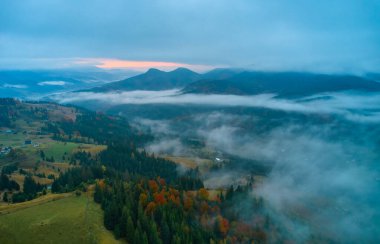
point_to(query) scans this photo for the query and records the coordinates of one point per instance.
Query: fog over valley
(315, 158)
(193, 121)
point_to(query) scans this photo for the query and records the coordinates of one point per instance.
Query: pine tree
(130, 230)
(165, 233)
(5, 197)
(145, 239)
(137, 239)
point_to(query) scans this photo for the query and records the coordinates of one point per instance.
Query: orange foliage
(150, 208)
(153, 185)
(174, 192)
(162, 181)
(101, 184)
(143, 199)
(159, 198)
(174, 199)
(204, 207)
(203, 194)
(188, 203)
(224, 225)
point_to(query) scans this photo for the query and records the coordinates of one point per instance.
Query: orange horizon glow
(107, 63)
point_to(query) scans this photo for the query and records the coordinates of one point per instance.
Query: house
(28, 142)
(5, 150)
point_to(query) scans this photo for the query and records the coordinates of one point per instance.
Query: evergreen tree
(5, 197)
(130, 230)
(145, 239)
(165, 233)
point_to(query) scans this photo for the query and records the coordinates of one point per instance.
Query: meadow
(69, 219)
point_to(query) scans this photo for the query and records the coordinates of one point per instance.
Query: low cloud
(16, 86)
(167, 146)
(53, 83)
(317, 185)
(362, 107)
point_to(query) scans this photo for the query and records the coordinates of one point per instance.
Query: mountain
(240, 82)
(154, 80)
(281, 83)
(33, 83)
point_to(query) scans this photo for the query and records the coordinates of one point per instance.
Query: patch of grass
(91, 148)
(189, 162)
(12, 139)
(58, 149)
(62, 166)
(68, 220)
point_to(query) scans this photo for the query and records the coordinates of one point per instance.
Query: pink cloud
(107, 63)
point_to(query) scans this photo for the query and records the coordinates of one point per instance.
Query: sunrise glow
(106, 63)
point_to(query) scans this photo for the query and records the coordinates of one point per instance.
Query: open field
(55, 218)
(10, 208)
(189, 162)
(59, 149)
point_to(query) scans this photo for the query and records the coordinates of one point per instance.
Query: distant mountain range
(154, 80)
(281, 83)
(30, 83)
(41, 83)
(239, 82)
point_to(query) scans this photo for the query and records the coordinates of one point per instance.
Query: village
(5, 148)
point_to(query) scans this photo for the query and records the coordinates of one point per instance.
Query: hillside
(240, 82)
(70, 219)
(153, 79)
(281, 83)
(144, 198)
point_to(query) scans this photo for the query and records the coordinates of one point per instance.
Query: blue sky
(326, 35)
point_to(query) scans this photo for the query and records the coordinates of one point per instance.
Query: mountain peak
(182, 70)
(154, 71)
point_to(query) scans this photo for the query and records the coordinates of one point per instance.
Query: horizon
(325, 36)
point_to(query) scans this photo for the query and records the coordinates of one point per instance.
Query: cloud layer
(353, 106)
(324, 182)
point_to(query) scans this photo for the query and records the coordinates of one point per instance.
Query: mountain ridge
(241, 82)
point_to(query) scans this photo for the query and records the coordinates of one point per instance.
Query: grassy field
(58, 149)
(189, 162)
(70, 219)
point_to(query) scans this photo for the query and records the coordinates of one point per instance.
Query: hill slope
(68, 220)
(281, 83)
(153, 79)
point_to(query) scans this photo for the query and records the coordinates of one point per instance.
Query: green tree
(145, 239)
(165, 233)
(130, 230)
(5, 197)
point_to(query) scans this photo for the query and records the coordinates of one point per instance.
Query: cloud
(353, 106)
(53, 83)
(324, 177)
(167, 146)
(105, 63)
(320, 185)
(339, 36)
(17, 86)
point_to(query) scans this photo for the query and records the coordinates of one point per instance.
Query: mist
(356, 106)
(323, 153)
(320, 184)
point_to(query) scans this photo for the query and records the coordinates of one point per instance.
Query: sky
(326, 35)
